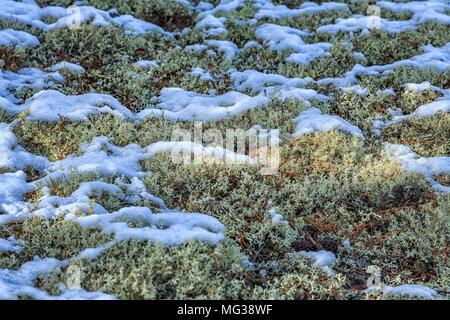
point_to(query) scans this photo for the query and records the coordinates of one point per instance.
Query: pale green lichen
(329, 185)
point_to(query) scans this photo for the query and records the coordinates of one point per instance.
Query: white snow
(93, 253)
(202, 73)
(103, 157)
(30, 13)
(11, 82)
(10, 37)
(441, 104)
(360, 22)
(12, 187)
(257, 81)
(428, 167)
(278, 85)
(279, 38)
(67, 65)
(136, 26)
(169, 227)
(178, 104)
(20, 282)
(313, 120)
(418, 87)
(189, 147)
(226, 47)
(13, 156)
(136, 191)
(147, 63)
(48, 105)
(227, 6)
(363, 92)
(359, 56)
(204, 6)
(10, 244)
(321, 258)
(276, 217)
(196, 47)
(211, 25)
(423, 11)
(414, 290)
(388, 91)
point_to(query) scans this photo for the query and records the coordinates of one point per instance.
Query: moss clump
(65, 186)
(404, 74)
(443, 179)
(58, 238)
(5, 116)
(12, 59)
(358, 110)
(107, 55)
(427, 136)
(238, 33)
(142, 270)
(57, 140)
(410, 100)
(265, 60)
(408, 244)
(327, 177)
(380, 48)
(244, 12)
(16, 25)
(61, 3)
(362, 110)
(170, 15)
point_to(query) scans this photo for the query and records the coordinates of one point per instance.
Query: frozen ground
(91, 95)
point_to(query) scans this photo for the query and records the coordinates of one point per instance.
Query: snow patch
(17, 39)
(49, 105)
(67, 65)
(279, 38)
(428, 167)
(414, 290)
(313, 120)
(178, 104)
(16, 283)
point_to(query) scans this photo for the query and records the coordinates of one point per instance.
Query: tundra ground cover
(91, 95)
